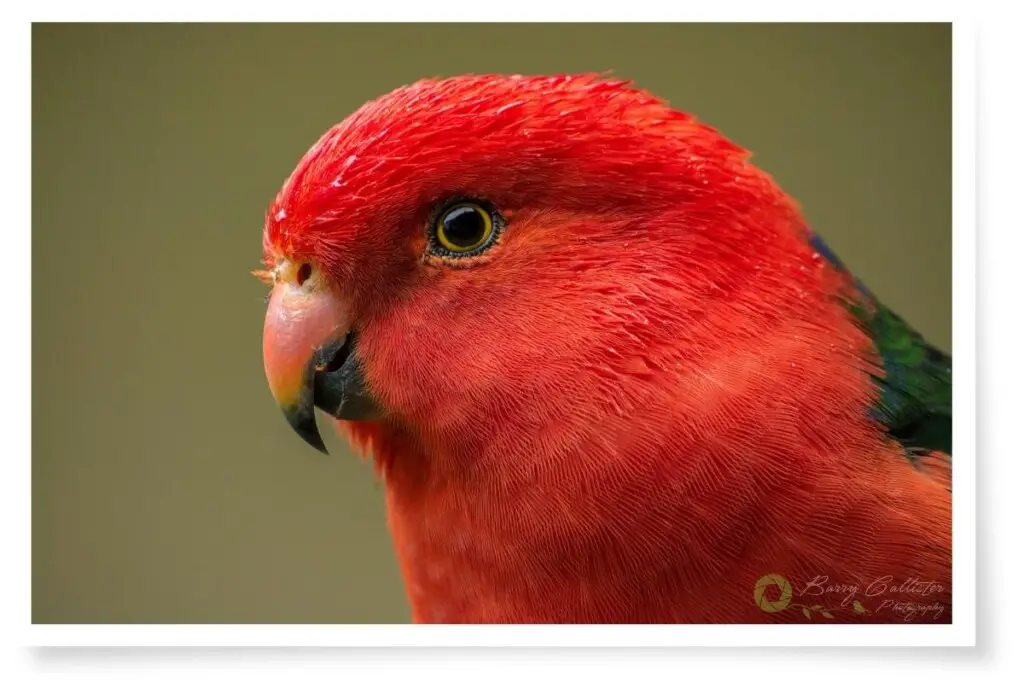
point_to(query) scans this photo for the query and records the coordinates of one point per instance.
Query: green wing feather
(917, 388)
(917, 384)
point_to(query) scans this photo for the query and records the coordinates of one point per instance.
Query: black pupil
(464, 226)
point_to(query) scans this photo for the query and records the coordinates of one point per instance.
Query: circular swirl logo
(763, 597)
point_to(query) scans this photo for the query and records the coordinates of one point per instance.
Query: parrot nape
(603, 367)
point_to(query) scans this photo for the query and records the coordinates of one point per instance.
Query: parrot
(602, 367)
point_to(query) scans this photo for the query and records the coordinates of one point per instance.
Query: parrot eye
(464, 228)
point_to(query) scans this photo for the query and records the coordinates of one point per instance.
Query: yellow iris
(464, 227)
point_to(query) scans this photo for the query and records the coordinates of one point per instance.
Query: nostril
(339, 357)
(305, 270)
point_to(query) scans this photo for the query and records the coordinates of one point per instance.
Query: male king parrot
(604, 369)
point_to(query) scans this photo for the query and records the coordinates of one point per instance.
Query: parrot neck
(657, 458)
(646, 515)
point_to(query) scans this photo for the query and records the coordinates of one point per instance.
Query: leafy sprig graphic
(826, 612)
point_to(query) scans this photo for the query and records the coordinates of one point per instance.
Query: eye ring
(464, 228)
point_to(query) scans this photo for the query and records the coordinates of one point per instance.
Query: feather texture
(648, 395)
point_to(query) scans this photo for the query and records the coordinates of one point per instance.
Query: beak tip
(303, 421)
(317, 443)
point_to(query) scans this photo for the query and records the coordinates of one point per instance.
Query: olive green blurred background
(166, 485)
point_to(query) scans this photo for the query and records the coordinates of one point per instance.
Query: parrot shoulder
(915, 378)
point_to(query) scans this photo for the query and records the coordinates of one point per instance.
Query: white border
(419, 635)
(962, 632)
(521, 11)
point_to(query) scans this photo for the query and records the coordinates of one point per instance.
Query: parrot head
(484, 261)
(606, 372)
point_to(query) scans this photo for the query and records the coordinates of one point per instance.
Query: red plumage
(645, 397)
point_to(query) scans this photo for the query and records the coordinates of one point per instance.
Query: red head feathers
(637, 394)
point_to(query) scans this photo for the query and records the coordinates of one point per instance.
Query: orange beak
(310, 361)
